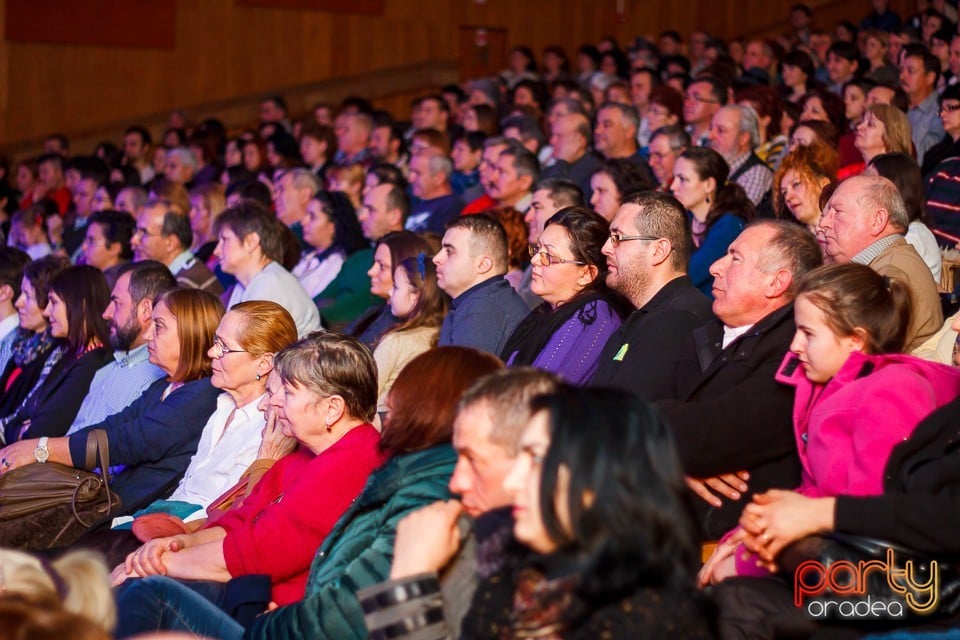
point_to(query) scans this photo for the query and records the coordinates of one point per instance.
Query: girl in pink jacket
(856, 395)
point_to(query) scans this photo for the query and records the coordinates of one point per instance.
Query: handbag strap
(98, 452)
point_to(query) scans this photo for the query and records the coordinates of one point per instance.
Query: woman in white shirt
(250, 248)
(248, 337)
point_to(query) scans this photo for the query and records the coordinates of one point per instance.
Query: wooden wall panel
(226, 55)
(119, 23)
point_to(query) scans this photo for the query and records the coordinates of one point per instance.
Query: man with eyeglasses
(647, 255)
(163, 234)
(666, 144)
(704, 98)
(949, 145)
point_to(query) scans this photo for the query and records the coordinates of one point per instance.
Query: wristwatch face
(41, 454)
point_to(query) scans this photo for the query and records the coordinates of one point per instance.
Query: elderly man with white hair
(864, 222)
(734, 134)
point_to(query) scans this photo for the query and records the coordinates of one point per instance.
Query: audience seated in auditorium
(727, 411)
(419, 306)
(75, 302)
(864, 222)
(154, 437)
(385, 208)
(856, 396)
(490, 417)
(129, 314)
(718, 209)
(358, 551)
(164, 234)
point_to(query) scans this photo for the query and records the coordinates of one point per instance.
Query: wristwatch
(41, 453)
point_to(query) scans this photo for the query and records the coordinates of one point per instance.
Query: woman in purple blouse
(566, 333)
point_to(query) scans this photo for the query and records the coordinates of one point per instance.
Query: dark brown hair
(855, 297)
(84, 293)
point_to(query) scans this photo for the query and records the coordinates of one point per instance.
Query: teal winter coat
(359, 550)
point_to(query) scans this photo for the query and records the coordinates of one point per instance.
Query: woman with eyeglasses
(566, 334)
(949, 146)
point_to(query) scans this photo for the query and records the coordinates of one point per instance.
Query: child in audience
(420, 305)
(857, 395)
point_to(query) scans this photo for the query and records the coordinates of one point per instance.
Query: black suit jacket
(728, 413)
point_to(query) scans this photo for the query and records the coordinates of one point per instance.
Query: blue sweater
(722, 232)
(154, 440)
(483, 317)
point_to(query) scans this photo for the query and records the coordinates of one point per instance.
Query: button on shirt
(223, 453)
(115, 386)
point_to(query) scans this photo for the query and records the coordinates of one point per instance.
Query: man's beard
(122, 337)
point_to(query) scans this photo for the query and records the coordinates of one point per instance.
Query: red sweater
(479, 205)
(282, 523)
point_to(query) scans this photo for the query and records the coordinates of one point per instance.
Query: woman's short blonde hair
(78, 581)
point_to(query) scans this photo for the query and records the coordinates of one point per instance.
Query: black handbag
(826, 550)
(48, 505)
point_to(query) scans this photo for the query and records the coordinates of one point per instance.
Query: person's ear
(711, 185)
(6, 293)
(396, 218)
(662, 249)
(857, 340)
(588, 273)
(780, 283)
(879, 221)
(526, 182)
(484, 264)
(145, 311)
(335, 410)
(265, 366)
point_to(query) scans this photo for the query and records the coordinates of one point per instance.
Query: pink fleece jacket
(845, 429)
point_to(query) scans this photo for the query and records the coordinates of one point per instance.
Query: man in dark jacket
(647, 255)
(727, 411)
(470, 268)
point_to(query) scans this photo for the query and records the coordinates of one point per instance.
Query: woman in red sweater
(324, 390)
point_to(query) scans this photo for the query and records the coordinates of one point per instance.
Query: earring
(708, 199)
(258, 377)
(329, 428)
